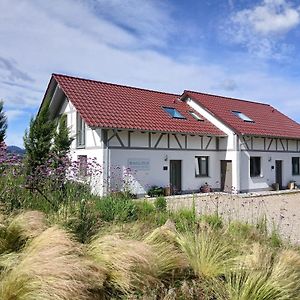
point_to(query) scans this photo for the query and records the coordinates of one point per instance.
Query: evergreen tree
(38, 140)
(62, 139)
(3, 123)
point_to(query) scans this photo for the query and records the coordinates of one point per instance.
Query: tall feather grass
(51, 266)
(208, 254)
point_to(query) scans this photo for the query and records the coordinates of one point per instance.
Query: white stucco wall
(142, 180)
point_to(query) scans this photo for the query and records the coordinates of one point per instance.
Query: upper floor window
(195, 116)
(242, 116)
(296, 165)
(255, 166)
(201, 166)
(80, 131)
(173, 112)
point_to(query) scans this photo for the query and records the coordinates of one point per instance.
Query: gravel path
(282, 209)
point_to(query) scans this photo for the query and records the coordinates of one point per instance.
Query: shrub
(155, 191)
(144, 209)
(214, 221)
(116, 209)
(160, 204)
(184, 218)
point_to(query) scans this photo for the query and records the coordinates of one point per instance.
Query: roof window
(195, 116)
(174, 113)
(242, 116)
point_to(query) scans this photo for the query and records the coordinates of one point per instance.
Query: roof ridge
(226, 97)
(115, 84)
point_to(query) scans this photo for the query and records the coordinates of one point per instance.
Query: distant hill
(15, 150)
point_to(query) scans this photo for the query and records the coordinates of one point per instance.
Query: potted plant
(205, 188)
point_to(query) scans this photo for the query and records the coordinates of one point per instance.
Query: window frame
(198, 167)
(195, 116)
(242, 116)
(167, 108)
(80, 132)
(255, 174)
(298, 165)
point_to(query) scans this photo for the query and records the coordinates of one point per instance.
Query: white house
(143, 138)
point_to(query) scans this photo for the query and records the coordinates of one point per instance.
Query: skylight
(195, 116)
(173, 112)
(242, 116)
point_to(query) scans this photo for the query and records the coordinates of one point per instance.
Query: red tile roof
(109, 105)
(267, 120)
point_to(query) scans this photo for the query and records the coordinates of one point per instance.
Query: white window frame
(198, 169)
(80, 131)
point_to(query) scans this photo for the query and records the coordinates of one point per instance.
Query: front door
(226, 176)
(175, 176)
(278, 172)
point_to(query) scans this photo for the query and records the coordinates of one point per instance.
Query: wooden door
(226, 176)
(278, 172)
(175, 176)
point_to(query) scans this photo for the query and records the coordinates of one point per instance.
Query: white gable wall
(230, 143)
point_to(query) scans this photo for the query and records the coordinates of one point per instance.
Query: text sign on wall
(139, 164)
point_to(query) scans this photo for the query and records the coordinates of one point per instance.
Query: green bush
(155, 191)
(160, 204)
(116, 209)
(214, 221)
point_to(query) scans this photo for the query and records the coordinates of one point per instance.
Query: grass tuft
(51, 266)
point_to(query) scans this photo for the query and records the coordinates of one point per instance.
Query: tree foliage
(62, 140)
(3, 123)
(38, 140)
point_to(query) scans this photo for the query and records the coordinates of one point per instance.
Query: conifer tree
(62, 139)
(3, 123)
(38, 140)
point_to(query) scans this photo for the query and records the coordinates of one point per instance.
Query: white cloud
(262, 28)
(14, 114)
(113, 41)
(271, 17)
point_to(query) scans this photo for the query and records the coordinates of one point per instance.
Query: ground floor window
(255, 166)
(201, 163)
(296, 165)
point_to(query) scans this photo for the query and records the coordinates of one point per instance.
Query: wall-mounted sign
(139, 164)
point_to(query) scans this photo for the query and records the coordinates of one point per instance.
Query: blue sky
(237, 48)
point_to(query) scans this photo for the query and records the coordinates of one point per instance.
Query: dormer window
(173, 112)
(242, 116)
(195, 116)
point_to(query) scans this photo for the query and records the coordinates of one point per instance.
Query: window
(242, 116)
(255, 166)
(173, 112)
(296, 165)
(195, 116)
(82, 159)
(80, 132)
(201, 163)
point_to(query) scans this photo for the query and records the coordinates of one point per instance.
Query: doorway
(226, 176)
(175, 177)
(278, 173)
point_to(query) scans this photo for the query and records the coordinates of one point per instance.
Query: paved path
(282, 209)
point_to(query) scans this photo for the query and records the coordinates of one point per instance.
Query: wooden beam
(208, 143)
(280, 140)
(176, 138)
(149, 140)
(246, 144)
(158, 140)
(270, 144)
